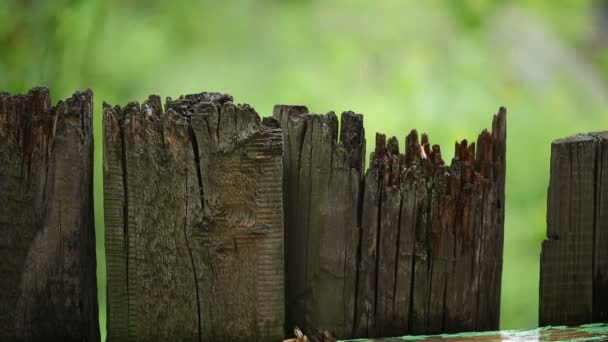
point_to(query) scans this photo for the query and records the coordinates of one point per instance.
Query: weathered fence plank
(48, 289)
(574, 261)
(322, 180)
(429, 237)
(194, 221)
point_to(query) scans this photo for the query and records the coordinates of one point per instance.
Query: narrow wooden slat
(600, 261)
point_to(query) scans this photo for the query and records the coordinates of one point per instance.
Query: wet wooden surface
(588, 332)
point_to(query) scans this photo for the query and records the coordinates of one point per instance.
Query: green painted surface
(587, 332)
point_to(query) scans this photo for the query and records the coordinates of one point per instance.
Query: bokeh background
(443, 67)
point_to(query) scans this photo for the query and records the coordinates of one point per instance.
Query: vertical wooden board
(485, 234)
(340, 235)
(300, 293)
(441, 249)
(490, 263)
(159, 181)
(351, 250)
(324, 132)
(474, 284)
(114, 222)
(293, 129)
(460, 304)
(366, 289)
(20, 190)
(332, 277)
(49, 289)
(322, 211)
(583, 205)
(558, 212)
(405, 259)
(297, 218)
(499, 159)
(421, 284)
(387, 257)
(238, 242)
(563, 211)
(600, 263)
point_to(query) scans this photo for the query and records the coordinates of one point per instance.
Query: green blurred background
(443, 67)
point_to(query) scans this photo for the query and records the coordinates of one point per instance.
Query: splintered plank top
(48, 288)
(322, 184)
(194, 218)
(410, 245)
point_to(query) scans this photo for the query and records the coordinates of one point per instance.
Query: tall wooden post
(574, 258)
(48, 289)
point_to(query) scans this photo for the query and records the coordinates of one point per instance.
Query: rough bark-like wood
(48, 289)
(574, 261)
(194, 221)
(430, 236)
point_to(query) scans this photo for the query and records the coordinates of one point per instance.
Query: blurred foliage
(440, 66)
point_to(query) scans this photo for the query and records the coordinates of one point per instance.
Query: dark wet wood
(415, 244)
(48, 289)
(194, 221)
(574, 261)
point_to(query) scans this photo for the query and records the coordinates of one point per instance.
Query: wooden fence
(222, 226)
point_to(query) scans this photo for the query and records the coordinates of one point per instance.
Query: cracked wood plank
(49, 287)
(321, 171)
(193, 221)
(430, 236)
(574, 265)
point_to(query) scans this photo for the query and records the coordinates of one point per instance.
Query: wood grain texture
(194, 221)
(322, 180)
(48, 289)
(428, 238)
(573, 282)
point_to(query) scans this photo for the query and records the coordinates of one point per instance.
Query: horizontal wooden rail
(586, 332)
